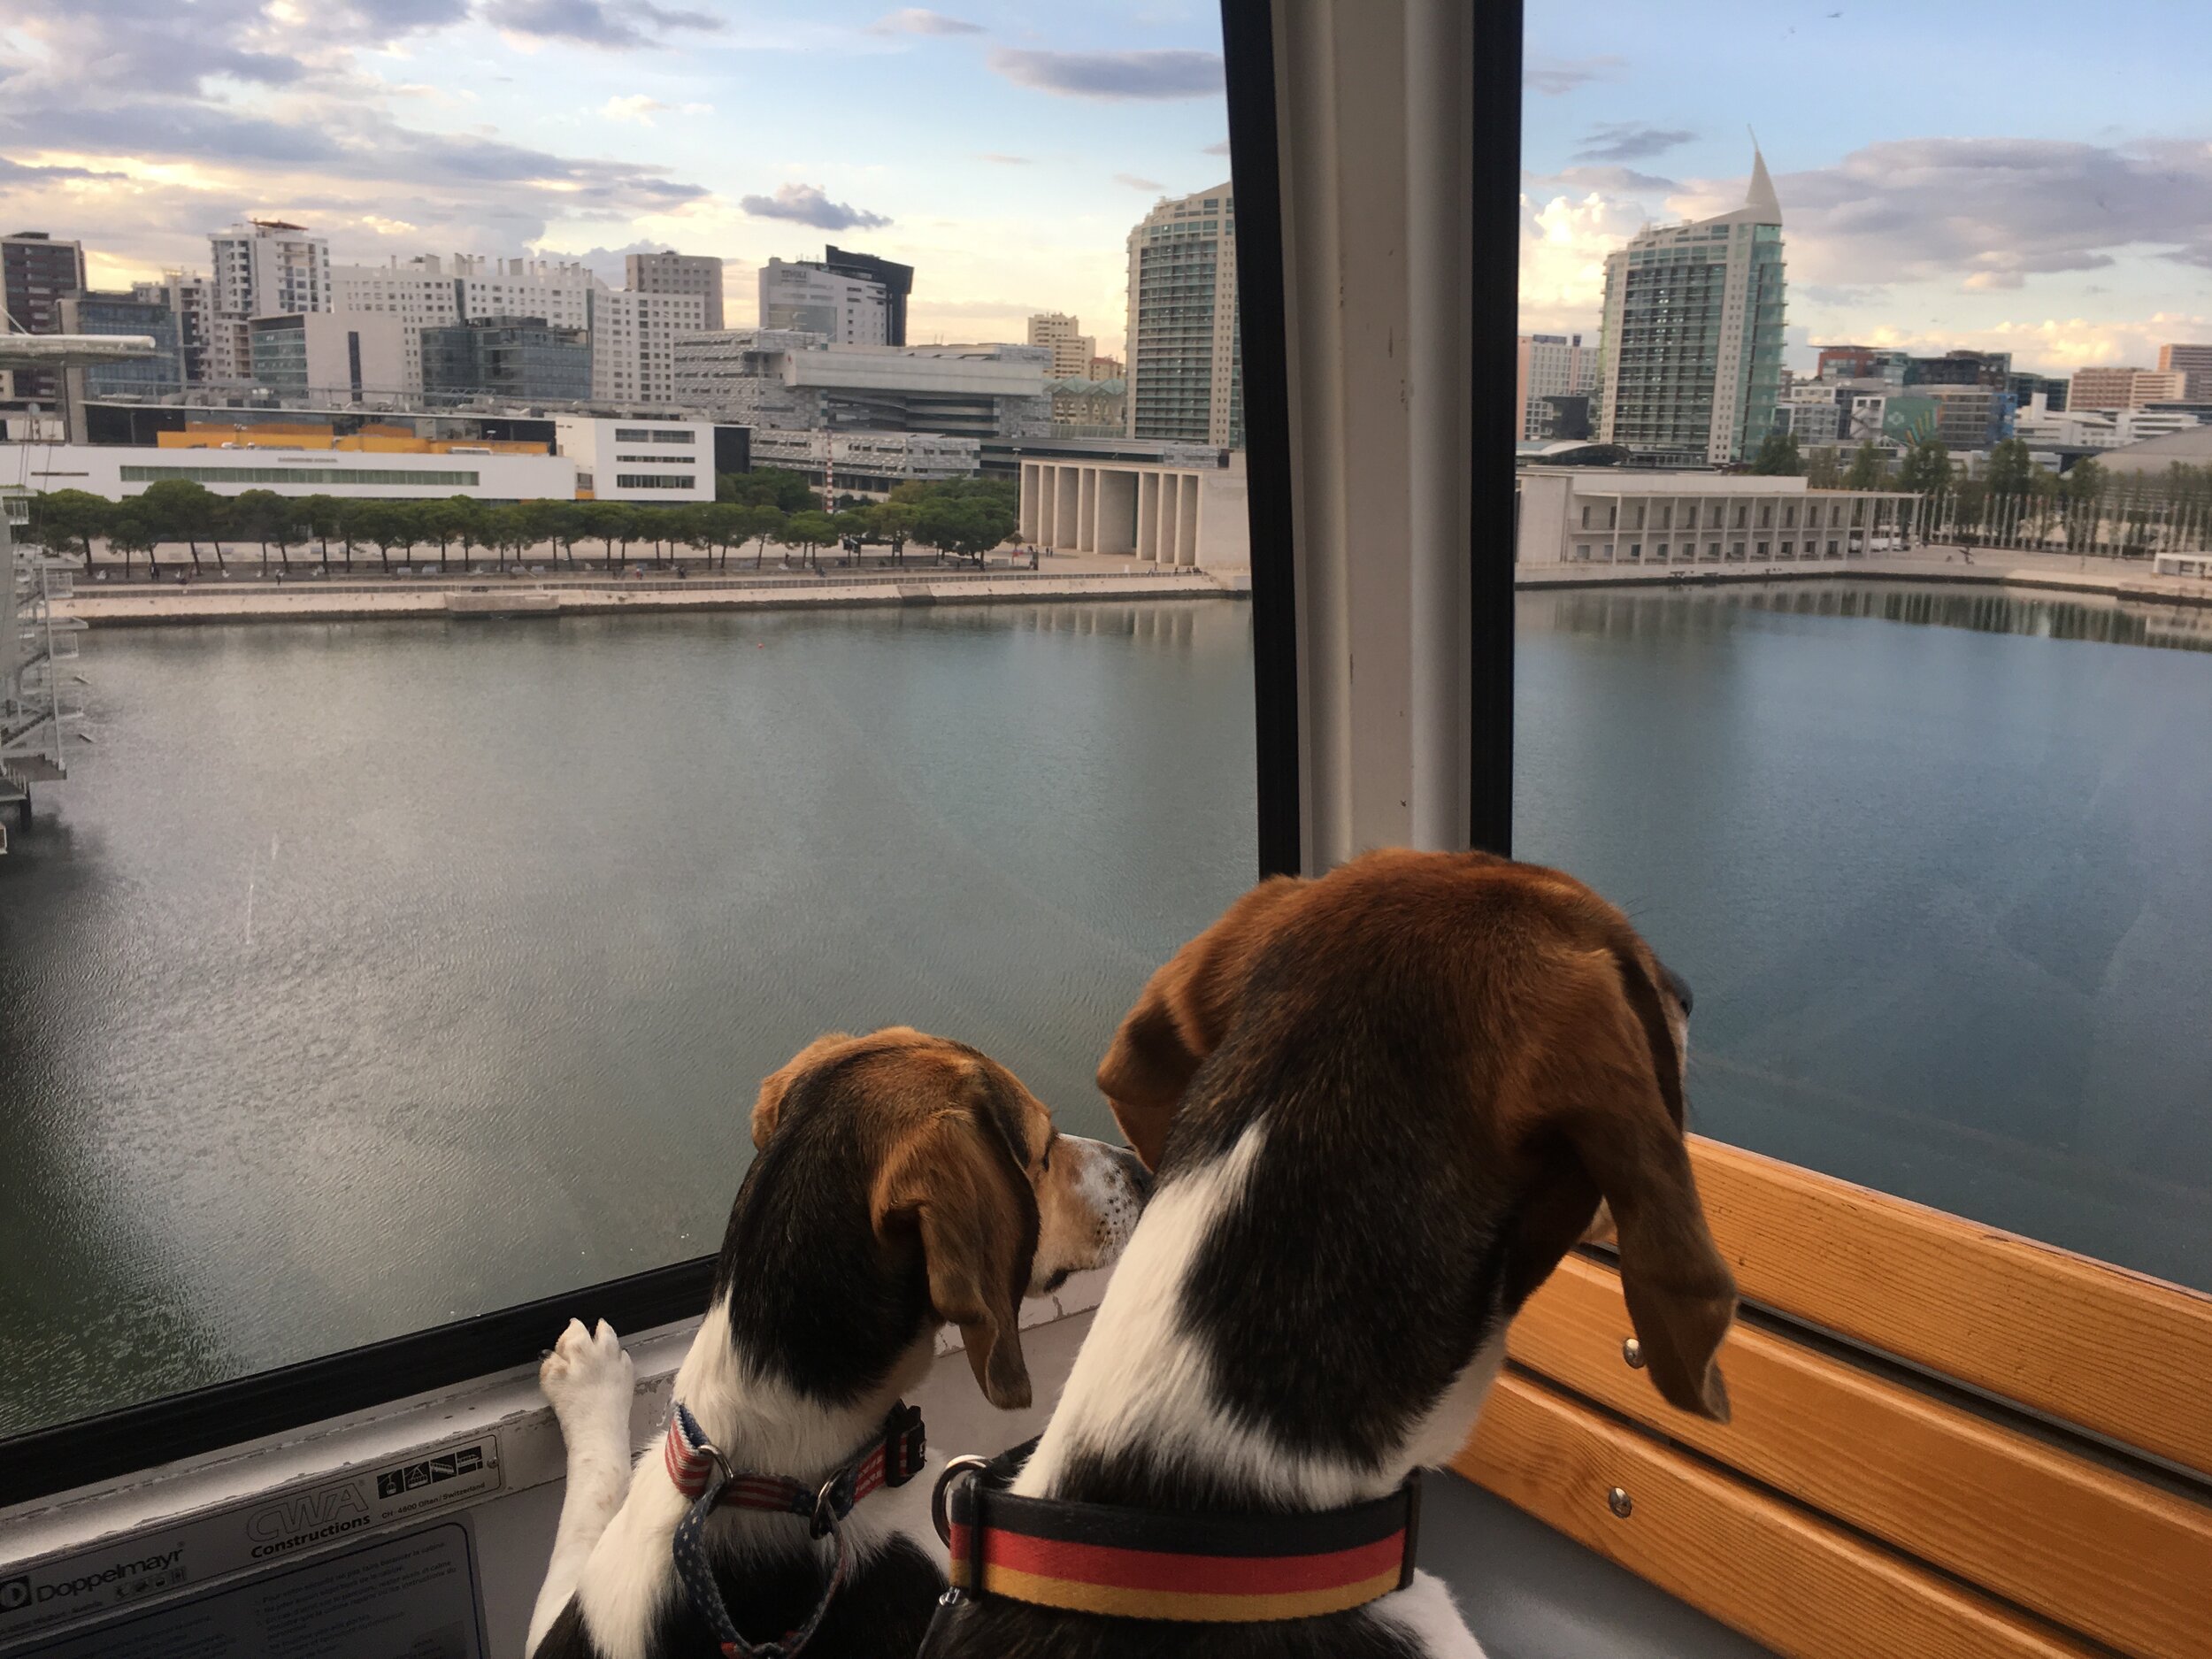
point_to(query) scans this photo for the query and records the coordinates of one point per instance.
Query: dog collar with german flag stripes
(1199, 1569)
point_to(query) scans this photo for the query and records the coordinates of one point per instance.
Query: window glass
(1919, 806)
(367, 973)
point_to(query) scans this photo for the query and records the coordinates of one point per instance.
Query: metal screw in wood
(1632, 1351)
(1619, 1501)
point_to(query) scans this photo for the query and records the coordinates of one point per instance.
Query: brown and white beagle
(1382, 1105)
(901, 1182)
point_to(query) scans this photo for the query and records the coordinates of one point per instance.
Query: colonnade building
(1186, 508)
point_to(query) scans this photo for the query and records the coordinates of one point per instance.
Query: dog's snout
(1132, 1167)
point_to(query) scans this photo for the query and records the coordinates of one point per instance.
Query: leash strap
(1196, 1569)
(700, 1474)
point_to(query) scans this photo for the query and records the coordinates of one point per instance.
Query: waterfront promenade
(369, 593)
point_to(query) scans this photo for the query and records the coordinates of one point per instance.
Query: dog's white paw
(588, 1376)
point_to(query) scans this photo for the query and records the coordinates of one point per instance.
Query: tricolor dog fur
(901, 1182)
(1382, 1105)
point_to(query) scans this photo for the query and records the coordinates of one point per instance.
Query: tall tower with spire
(1690, 349)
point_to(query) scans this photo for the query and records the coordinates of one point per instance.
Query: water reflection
(1690, 612)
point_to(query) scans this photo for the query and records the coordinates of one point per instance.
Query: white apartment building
(674, 272)
(1072, 349)
(667, 462)
(263, 267)
(1550, 365)
(634, 344)
(427, 291)
(2124, 388)
(1185, 380)
(1690, 341)
(327, 357)
(1608, 515)
(846, 310)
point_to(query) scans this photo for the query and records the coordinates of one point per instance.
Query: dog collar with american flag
(701, 1476)
(1201, 1568)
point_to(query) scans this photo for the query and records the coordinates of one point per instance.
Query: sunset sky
(1962, 173)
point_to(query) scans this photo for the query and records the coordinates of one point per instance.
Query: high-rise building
(674, 272)
(799, 296)
(1690, 353)
(1072, 349)
(516, 359)
(263, 267)
(1106, 369)
(897, 282)
(430, 292)
(189, 298)
(1862, 363)
(2194, 363)
(634, 344)
(1989, 369)
(1186, 379)
(1547, 366)
(35, 271)
(2124, 388)
(319, 357)
(2027, 387)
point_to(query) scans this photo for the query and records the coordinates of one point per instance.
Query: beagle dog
(903, 1182)
(1382, 1105)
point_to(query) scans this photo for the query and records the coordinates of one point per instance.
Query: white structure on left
(118, 471)
(36, 711)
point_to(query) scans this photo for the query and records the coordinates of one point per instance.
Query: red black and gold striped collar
(1199, 1569)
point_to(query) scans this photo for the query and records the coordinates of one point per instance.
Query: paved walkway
(2129, 579)
(120, 606)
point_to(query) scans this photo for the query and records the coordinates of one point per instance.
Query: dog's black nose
(1679, 986)
(1140, 1177)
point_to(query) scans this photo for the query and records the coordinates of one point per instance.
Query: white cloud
(640, 108)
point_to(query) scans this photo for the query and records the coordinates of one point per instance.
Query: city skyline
(1005, 151)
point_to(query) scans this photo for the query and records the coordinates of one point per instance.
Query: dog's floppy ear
(1182, 1014)
(954, 1180)
(769, 1107)
(1624, 1123)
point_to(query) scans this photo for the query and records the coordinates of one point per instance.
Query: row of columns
(1084, 507)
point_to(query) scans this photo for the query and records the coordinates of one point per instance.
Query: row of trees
(2012, 502)
(962, 517)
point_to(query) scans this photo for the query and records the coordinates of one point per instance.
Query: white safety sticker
(298, 1520)
(413, 1596)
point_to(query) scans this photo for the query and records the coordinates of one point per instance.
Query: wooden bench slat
(2120, 1354)
(2087, 1547)
(1758, 1564)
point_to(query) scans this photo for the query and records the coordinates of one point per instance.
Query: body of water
(369, 976)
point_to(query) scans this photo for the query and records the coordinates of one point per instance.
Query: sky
(2022, 176)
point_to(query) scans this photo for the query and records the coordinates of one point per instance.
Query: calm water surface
(374, 975)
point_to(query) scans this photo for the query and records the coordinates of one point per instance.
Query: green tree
(1926, 470)
(706, 527)
(2010, 469)
(286, 530)
(812, 530)
(506, 531)
(256, 515)
(553, 523)
(1823, 469)
(178, 510)
(966, 523)
(445, 522)
(609, 523)
(1778, 457)
(1870, 468)
(384, 524)
(132, 529)
(2084, 486)
(759, 523)
(767, 486)
(64, 519)
(322, 516)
